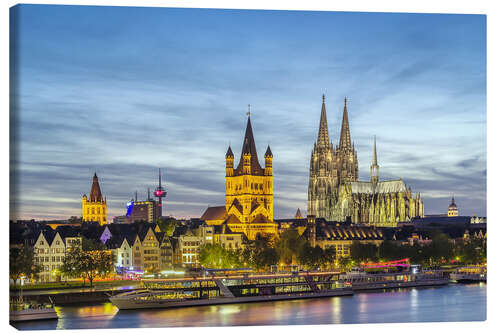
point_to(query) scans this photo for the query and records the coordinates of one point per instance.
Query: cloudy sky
(127, 90)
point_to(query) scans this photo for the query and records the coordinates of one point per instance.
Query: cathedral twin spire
(345, 134)
(323, 136)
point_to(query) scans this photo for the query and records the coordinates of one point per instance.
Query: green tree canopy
(167, 224)
(215, 256)
(363, 251)
(440, 248)
(289, 245)
(87, 264)
(472, 251)
(21, 262)
(313, 257)
(89, 244)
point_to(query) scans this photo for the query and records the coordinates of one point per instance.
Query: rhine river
(448, 303)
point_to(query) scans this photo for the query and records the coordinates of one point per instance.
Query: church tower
(249, 190)
(452, 208)
(94, 208)
(345, 155)
(323, 176)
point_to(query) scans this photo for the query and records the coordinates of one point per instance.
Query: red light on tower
(160, 191)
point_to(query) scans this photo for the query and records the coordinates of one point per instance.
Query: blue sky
(125, 90)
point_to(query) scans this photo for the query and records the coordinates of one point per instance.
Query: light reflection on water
(448, 303)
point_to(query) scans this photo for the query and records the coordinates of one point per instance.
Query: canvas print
(174, 167)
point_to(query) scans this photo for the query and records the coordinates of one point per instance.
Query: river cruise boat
(241, 288)
(394, 274)
(469, 274)
(20, 311)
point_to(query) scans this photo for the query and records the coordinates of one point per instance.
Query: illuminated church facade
(336, 193)
(94, 207)
(249, 192)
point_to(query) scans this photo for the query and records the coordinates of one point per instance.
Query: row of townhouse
(50, 248)
(136, 247)
(149, 250)
(152, 251)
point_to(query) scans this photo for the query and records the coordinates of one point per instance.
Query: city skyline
(143, 89)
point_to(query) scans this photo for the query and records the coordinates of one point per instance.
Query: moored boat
(469, 274)
(26, 312)
(245, 288)
(394, 274)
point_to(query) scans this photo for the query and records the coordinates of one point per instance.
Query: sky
(125, 90)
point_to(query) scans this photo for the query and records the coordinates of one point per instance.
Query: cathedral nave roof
(388, 186)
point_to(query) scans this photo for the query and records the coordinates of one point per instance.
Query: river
(455, 302)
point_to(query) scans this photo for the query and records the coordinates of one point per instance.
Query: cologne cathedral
(336, 193)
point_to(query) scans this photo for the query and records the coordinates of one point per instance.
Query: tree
(211, 255)
(89, 244)
(329, 254)
(389, 250)
(21, 262)
(313, 257)
(440, 248)
(87, 264)
(75, 219)
(346, 263)
(167, 224)
(472, 251)
(289, 245)
(259, 253)
(265, 258)
(363, 252)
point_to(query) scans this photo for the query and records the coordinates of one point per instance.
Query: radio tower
(160, 192)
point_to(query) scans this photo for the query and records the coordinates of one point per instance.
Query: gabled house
(51, 248)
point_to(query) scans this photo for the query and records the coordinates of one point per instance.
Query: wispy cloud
(128, 90)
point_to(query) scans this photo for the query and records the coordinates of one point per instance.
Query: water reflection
(449, 303)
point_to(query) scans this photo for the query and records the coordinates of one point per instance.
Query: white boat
(167, 293)
(469, 274)
(23, 312)
(404, 276)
